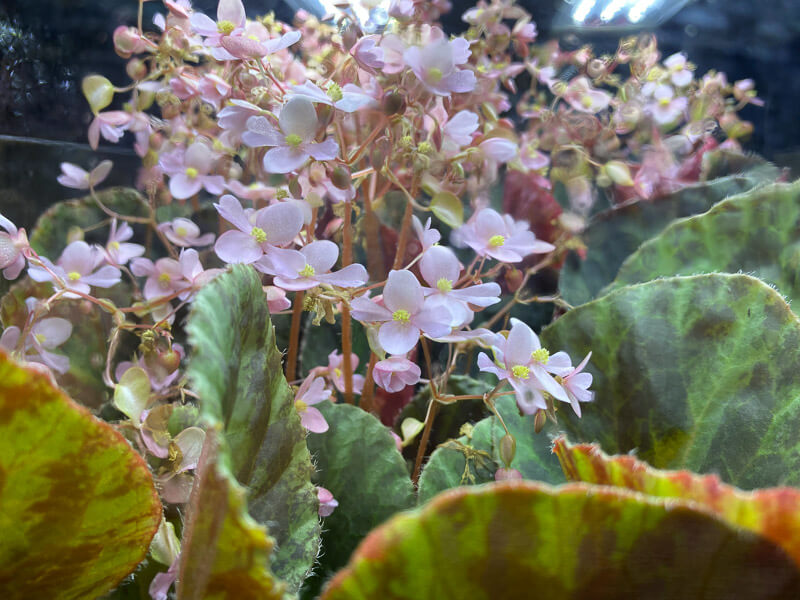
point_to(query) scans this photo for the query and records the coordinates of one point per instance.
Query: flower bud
(393, 103)
(136, 69)
(539, 421)
(508, 449)
(513, 277)
(340, 177)
(618, 172)
(127, 41)
(507, 474)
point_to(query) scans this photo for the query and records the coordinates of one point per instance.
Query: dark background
(47, 46)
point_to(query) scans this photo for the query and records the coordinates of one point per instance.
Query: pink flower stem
(347, 342)
(433, 409)
(294, 336)
(403, 239)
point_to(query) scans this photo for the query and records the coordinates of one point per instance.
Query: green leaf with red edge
(236, 370)
(695, 373)
(79, 507)
(771, 513)
(522, 540)
(225, 553)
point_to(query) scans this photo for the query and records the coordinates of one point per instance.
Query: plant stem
(369, 384)
(347, 342)
(433, 409)
(294, 336)
(403, 239)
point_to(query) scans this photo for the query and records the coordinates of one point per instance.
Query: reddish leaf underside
(78, 505)
(521, 540)
(225, 553)
(773, 513)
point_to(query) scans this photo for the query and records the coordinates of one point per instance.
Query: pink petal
(397, 337)
(402, 292)
(284, 159)
(238, 247)
(299, 117)
(181, 186)
(351, 276)
(260, 132)
(230, 209)
(231, 10)
(104, 277)
(281, 222)
(365, 310)
(327, 149)
(313, 420)
(321, 255)
(437, 263)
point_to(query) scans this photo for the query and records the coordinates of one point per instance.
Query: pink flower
(500, 237)
(327, 503)
(395, 373)
(440, 269)
(72, 176)
(348, 98)
(193, 272)
(368, 54)
(111, 125)
(459, 129)
(311, 391)
(426, 236)
(584, 98)
(118, 250)
(12, 246)
(521, 360)
(276, 299)
(231, 20)
(403, 316)
(78, 269)
(233, 120)
(45, 335)
(507, 474)
(189, 171)
(666, 109)
(679, 72)
(311, 267)
(164, 277)
(259, 232)
(294, 142)
(576, 384)
(184, 233)
(435, 65)
(744, 91)
(335, 361)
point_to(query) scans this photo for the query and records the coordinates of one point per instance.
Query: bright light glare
(361, 11)
(638, 10)
(610, 11)
(582, 10)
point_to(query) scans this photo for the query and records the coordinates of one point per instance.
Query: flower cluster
(318, 149)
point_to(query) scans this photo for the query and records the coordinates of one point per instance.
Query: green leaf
(236, 370)
(49, 235)
(771, 513)
(79, 507)
(613, 235)
(357, 460)
(98, 91)
(523, 540)
(225, 553)
(448, 208)
(691, 372)
(447, 466)
(755, 233)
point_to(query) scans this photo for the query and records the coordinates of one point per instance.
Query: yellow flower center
(664, 101)
(40, 337)
(337, 372)
(300, 406)
(497, 240)
(541, 355)
(294, 140)
(444, 285)
(114, 245)
(435, 75)
(586, 101)
(401, 315)
(308, 271)
(164, 278)
(191, 172)
(520, 371)
(181, 231)
(225, 27)
(259, 235)
(73, 275)
(425, 147)
(335, 92)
